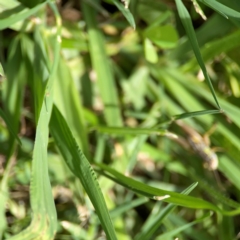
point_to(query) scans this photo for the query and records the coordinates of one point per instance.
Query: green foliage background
(90, 92)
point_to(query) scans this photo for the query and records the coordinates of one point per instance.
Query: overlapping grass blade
(230, 109)
(172, 233)
(10, 126)
(18, 13)
(103, 70)
(159, 194)
(187, 23)
(125, 11)
(44, 221)
(155, 220)
(81, 168)
(215, 48)
(127, 206)
(195, 114)
(66, 98)
(222, 9)
(11, 96)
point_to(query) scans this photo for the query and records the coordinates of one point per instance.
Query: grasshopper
(199, 144)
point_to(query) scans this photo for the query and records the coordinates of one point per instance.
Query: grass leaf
(187, 23)
(81, 168)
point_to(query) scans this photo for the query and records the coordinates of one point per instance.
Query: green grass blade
(215, 48)
(230, 170)
(195, 114)
(154, 221)
(44, 222)
(103, 70)
(155, 193)
(10, 126)
(126, 13)
(81, 168)
(172, 233)
(18, 13)
(67, 99)
(127, 206)
(187, 23)
(131, 131)
(222, 9)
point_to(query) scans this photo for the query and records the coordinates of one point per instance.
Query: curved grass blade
(159, 194)
(81, 168)
(126, 13)
(186, 21)
(19, 13)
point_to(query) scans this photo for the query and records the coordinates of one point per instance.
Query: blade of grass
(126, 13)
(127, 206)
(19, 13)
(222, 9)
(215, 48)
(195, 114)
(154, 221)
(44, 221)
(81, 168)
(187, 23)
(67, 99)
(10, 126)
(131, 131)
(173, 233)
(159, 194)
(102, 67)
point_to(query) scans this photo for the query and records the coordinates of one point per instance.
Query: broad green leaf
(150, 51)
(163, 36)
(186, 21)
(81, 168)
